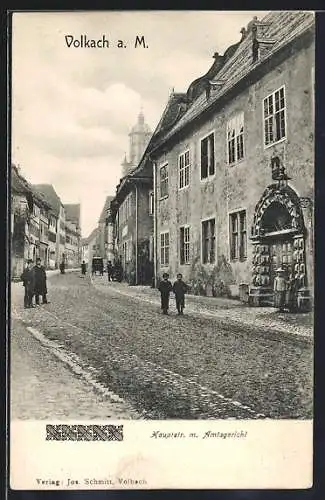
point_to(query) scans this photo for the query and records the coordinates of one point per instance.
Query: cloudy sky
(73, 107)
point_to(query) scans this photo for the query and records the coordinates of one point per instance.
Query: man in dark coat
(109, 270)
(28, 279)
(179, 289)
(165, 287)
(40, 282)
(83, 267)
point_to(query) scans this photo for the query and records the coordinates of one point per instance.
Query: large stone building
(234, 185)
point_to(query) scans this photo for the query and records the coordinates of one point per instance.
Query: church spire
(139, 137)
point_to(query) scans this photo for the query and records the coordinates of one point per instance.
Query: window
(235, 138)
(184, 169)
(238, 235)
(125, 210)
(164, 181)
(274, 117)
(151, 203)
(207, 156)
(185, 245)
(208, 241)
(164, 249)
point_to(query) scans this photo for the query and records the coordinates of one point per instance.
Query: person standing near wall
(279, 290)
(28, 279)
(292, 291)
(40, 282)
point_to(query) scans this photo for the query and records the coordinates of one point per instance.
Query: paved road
(175, 367)
(42, 387)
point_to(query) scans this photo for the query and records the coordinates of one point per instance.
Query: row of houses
(42, 226)
(224, 190)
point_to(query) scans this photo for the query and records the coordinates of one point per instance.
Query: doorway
(281, 255)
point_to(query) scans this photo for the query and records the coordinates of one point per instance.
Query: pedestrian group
(34, 281)
(179, 288)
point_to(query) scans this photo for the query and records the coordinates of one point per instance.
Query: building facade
(103, 230)
(29, 223)
(87, 246)
(48, 192)
(130, 222)
(72, 249)
(38, 226)
(134, 227)
(234, 176)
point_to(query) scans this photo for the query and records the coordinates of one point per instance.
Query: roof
(284, 26)
(72, 213)
(20, 185)
(106, 207)
(51, 196)
(92, 236)
(173, 110)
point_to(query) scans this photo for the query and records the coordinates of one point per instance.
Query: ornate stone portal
(278, 235)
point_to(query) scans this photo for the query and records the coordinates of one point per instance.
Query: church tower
(126, 167)
(139, 138)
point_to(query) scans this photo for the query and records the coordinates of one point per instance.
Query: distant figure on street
(165, 287)
(118, 271)
(83, 267)
(109, 270)
(279, 290)
(40, 282)
(179, 289)
(28, 279)
(62, 267)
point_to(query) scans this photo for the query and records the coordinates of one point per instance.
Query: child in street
(179, 289)
(165, 287)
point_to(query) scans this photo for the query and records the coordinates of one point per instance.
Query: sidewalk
(263, 318)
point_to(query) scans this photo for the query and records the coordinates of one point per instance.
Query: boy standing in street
(165, 287)
(28, 279)
(179, 289)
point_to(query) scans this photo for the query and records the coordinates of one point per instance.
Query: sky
(73, 107)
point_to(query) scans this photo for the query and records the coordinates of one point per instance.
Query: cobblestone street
(207, 364)
(42, 387)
